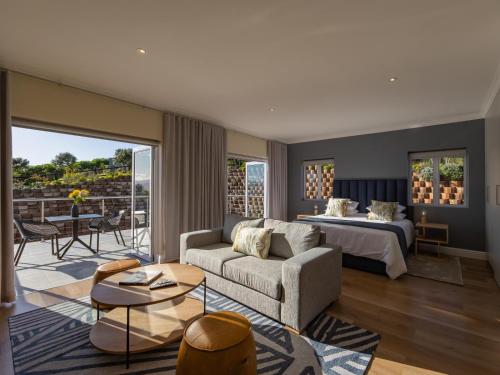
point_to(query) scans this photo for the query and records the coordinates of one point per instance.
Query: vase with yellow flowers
(78, 197)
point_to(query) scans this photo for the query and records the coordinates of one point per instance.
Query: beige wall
(246, 145)
(41, 100)
(46, 101)
(492, 157)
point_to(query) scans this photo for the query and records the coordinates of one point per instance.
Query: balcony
(38, 269)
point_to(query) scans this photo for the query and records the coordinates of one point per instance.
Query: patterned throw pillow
(337, 207)
(253, 241)
(254, 223)
(382, 210)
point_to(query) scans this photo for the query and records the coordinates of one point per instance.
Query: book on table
(143, 277)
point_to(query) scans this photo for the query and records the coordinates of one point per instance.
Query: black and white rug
(55, 340)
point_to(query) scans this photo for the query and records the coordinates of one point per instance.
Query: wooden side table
(435, 233)
(303, 216)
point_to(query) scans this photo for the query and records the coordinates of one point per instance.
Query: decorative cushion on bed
(290, 239)
(232, 222)
(253, 241)
(352, 207)
(398, 216)
(400, 209)
(337, 207)
(382, 210)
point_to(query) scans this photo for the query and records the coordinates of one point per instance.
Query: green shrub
(451, 171)
(426, 173)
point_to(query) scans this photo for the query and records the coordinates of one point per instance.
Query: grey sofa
(298, 280)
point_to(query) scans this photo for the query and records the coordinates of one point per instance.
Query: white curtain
(277, 182)
(7, 290)
(191, 181)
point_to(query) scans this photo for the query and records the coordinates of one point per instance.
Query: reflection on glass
(451, 181)
(255, 182)
(246, 188)
(422, 179)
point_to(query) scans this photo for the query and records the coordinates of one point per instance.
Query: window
(246, 187)
(318, 179)
(439, 178)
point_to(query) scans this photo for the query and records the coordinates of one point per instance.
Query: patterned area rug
(445, 268)
(55, 340)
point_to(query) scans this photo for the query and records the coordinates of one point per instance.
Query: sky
(40, 147)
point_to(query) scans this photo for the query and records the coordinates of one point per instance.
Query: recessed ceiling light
(272, 109)
(141, 51)
(393, 79)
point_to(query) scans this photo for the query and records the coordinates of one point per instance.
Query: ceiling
(324, 66)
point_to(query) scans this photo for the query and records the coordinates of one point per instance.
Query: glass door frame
(149, 205)
(249, 159)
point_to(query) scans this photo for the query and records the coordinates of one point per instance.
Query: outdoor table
(75, 221)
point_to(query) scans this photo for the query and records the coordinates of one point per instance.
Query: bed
(370, 245)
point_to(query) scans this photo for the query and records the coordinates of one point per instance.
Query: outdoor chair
(31, 231)
(107, 224)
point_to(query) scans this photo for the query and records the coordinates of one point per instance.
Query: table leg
(128, 338)
(204, 296)
(97, 307)
(65, 248)
(78, 239)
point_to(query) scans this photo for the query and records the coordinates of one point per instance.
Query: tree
(123, 156)
(64, 159)
(19, 163)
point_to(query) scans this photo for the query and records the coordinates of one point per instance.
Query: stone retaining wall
(31, 210)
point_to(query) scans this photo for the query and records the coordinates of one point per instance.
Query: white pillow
(352, 212)
(352, 206)
(399, 209)
(399, 216)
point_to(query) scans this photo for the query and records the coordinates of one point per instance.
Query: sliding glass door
(142, 173)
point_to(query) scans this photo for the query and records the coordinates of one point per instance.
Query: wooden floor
(426, 326)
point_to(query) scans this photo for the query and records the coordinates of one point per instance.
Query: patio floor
(38, 269)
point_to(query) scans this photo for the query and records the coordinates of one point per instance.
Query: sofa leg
(293, 330)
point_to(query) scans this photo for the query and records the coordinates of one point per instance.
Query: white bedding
(370, 243)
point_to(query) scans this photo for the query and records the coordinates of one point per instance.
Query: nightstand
(434, 233)
(303, 216)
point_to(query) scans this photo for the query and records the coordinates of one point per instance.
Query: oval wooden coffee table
(143, 319)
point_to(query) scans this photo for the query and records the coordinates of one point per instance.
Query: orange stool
(108, 269)
(218, 343)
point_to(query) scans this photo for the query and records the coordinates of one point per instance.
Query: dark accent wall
(385, 155)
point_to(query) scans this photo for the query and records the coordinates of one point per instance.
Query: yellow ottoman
(218, 343)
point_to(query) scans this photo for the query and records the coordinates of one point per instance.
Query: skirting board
(464, 253)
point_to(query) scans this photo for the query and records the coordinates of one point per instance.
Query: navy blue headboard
(364, 190)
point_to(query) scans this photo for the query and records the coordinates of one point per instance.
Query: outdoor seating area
(39, 269)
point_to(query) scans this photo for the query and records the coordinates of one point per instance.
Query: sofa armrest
(311, 281)
(198, 238)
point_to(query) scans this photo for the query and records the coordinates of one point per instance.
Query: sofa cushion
(262, 275)
(253, 241)
(290, 239)
(230, 226)
(211, 257)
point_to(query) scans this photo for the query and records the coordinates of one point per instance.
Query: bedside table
(303, 216)
(434, 233)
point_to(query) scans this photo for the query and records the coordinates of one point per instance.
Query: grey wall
(385, 155)
(492, 150)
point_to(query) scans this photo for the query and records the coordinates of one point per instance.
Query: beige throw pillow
(382, 210)
(253, 241)
(254, 223)
(337, 207)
